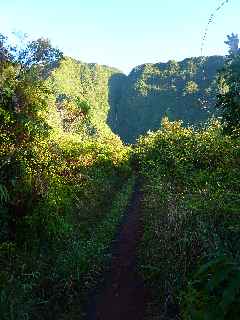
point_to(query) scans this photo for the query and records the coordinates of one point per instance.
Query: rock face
(183, 90)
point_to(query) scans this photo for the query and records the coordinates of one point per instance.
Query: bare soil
(123, 296)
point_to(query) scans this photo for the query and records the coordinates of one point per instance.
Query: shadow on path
(123, 295)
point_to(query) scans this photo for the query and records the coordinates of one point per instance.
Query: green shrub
(191, 205)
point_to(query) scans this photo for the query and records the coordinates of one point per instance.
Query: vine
(211, 19)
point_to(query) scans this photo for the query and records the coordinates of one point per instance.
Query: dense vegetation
(183, 90)
(57, 169)
(83, 87)
(189, 254)
(190, 249)
(59, 162)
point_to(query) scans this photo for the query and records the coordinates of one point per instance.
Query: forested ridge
(184, 90)
(67, 179)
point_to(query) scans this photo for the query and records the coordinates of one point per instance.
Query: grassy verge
(54, 283)
(92, 255)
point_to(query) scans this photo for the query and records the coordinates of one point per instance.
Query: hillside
(80, 89)
(132, 105)
(183, 90)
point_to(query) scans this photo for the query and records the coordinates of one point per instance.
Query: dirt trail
(123, 295)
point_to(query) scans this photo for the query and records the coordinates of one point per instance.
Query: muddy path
(123, 295)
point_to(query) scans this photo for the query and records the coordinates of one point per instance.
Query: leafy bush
(191, 208)
(214, 292)
(56, 216)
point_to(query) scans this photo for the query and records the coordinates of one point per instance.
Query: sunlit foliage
(56, 175)
(191, 216)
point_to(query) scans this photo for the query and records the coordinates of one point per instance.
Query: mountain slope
(183, 90)
(82, 89)
(132, 105)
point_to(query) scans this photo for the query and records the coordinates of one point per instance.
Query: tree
(229, 81)
(191, 87)
(40, 54)
(232, 42)
(24, 93)
(4, 53)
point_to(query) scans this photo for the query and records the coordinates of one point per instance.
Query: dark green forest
(183, 90)
(76, 139)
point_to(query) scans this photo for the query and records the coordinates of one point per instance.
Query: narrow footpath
(123, 296)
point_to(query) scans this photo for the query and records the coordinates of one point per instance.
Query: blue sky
(124, 33)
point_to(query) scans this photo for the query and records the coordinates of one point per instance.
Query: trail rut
(123, 295)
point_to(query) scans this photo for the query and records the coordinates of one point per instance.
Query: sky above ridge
(126, 33)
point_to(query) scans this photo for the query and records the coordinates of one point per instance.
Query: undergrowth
(189, 254)
(63, 188)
